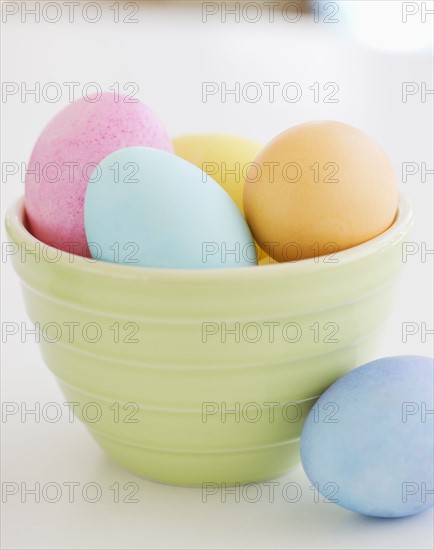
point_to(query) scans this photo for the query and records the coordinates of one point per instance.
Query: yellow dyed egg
(319, 188)
(226, 159)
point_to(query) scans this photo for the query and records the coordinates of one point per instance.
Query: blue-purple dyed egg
(368, 443)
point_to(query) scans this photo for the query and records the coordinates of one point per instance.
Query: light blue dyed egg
(367, 444)
(147, 207)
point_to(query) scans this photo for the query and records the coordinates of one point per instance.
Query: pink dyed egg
(65, 157)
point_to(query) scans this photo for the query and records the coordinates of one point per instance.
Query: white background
(169, 54)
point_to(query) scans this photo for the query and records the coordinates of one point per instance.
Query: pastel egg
(321, 187)
(223, 157)
(159, 210)
(66, 154)
(226, 159)
(367, 444)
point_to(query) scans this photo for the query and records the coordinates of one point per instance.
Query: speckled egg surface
(66, 154)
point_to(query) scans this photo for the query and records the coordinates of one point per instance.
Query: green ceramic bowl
(189, 377)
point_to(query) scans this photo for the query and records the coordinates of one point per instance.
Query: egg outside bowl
(191, 377)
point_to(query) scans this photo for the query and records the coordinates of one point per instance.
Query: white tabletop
(169, 54)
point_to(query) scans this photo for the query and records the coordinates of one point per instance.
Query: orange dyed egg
(319, 188)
